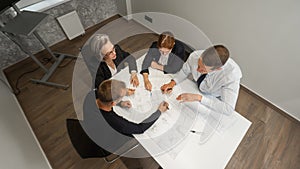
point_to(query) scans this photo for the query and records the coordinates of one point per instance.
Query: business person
(217, 76)
(110, 93)
(114, 59)
(166, 55)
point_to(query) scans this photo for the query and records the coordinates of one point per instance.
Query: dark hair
(166, 40)
(110, 90)
(215, 56)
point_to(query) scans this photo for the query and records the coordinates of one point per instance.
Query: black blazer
(96, 120)
(98, 129)
(175, 61)
(122, 60)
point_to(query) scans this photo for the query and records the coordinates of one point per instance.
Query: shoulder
(114, 119)
(232, 70)
(117, 46)
(121, 53)
(195, 55)
(102, 65)
(178, 47)
(178, 44)
(89, 104)
(154, 45)
(102, 69)
(234, 66)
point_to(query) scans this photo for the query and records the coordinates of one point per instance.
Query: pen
(196, 132)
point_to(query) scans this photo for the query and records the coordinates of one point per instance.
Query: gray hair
(97, 42)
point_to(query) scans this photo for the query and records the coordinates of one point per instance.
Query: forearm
(174, 67)
(132, 63)
(133, 73)
(133, 128)
(217, 105)
(146, 63)
(180, 76)
(152, 118)
(145, 76)
(160, 67)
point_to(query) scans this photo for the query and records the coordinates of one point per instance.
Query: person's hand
(163, 106)
(167, 88)
(147, 84)
(125, 104)
(157, 66)
(134, 80)
(189, 97)
(130, 92)
(154, 65)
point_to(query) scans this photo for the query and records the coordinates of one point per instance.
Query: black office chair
(188, 49)
(86, 147)
(90, 60)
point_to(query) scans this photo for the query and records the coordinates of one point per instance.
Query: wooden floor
(273, 140)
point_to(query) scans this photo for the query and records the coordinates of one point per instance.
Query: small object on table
(196, 132)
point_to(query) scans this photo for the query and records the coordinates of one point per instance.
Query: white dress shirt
(220, 88)
(113, 71)
(163, 60)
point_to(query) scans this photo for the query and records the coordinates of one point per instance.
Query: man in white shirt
(217, 76)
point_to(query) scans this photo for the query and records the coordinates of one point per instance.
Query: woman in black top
(114, 59)
(167, 55)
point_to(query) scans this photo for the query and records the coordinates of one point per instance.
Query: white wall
(121, 5)
(19, 147)
(263, 37)
(124, 8)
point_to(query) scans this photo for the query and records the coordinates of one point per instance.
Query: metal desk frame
(25, 23)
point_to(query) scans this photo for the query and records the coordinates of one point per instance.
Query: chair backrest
(82, 143)
(187, 51)
(90, 60)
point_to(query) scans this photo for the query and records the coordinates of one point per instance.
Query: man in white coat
(217, 76)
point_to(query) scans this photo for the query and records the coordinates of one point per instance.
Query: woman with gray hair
(97, 43)
(91, 53)
(113, 59)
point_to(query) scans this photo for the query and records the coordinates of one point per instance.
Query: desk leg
(37, 62)
(52, 69)
(44, 44)
(13, 38)
(48, 72)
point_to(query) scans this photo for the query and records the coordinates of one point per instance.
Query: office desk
(26, 23)
(169, 140)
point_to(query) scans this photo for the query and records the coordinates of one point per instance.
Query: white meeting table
(170, 140)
